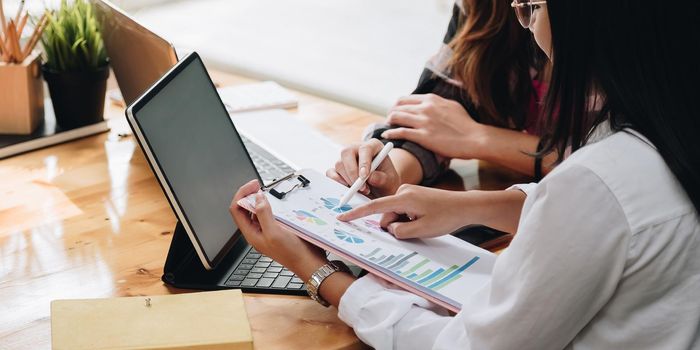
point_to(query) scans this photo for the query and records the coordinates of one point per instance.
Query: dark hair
(492, 58)
(640, 58)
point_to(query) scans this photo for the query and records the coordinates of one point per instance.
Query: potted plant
(75, 64)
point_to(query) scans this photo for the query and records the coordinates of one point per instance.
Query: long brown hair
(492, 58)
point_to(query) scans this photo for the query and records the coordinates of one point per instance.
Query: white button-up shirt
(607, 255)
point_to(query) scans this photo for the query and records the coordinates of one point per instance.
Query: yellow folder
(207, 320)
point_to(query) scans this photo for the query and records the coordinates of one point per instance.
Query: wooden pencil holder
(21, 96)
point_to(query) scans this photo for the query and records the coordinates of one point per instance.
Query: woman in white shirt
(607, 251)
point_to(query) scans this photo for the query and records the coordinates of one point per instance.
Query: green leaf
(72, 40)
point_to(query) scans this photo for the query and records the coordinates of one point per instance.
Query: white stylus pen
(360, 181)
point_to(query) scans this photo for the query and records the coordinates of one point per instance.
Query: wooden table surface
(87, 219)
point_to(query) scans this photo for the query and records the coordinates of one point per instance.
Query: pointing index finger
(379, 205)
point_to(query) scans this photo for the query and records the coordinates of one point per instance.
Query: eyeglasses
(523, 9)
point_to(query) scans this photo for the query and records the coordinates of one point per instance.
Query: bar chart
(417, 268)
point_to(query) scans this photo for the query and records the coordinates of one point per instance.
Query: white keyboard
(257, 96)
(269, 167)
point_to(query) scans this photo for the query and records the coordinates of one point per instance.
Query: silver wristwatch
(320, 275)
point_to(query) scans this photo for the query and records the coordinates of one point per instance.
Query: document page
(445, 270)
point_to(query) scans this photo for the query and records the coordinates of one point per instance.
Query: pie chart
(373, 224)
(308, 217)
(347, 237)
(332, 203)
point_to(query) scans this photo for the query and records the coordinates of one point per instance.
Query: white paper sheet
(445, 270)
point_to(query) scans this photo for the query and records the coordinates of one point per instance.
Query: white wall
(362, 52)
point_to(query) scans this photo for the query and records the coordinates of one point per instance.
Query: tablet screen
(198, 152)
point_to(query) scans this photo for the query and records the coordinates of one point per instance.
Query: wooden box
(21, 96)
(191, 321)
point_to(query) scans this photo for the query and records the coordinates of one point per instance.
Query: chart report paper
(445, 270)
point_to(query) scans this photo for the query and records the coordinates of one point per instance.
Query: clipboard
(444, 270)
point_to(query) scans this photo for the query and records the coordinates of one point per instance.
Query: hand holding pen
(365, 172)
(384, 181)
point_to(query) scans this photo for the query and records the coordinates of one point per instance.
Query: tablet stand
(183, 269)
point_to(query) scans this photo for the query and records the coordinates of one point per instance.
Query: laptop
(200, 161)
(138, 56)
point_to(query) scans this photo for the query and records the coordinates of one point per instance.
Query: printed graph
(412, 266)
(373, 225)
(308, 217)
(347, 237)
(332, 203)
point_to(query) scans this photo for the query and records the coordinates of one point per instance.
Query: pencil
(19, 12)
(3, 50)
(35, 36)
(23, 22)
(14, 41)
(6, 47)
(2, 19)
(8, 43)
(10, 40)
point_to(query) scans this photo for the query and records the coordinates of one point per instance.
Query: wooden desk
(87, 219)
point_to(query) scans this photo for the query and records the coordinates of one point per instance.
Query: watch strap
(320, 275)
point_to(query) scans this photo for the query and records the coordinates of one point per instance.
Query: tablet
(196, 154)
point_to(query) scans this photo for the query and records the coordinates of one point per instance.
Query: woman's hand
(438, 124)
(355, 162)
(416, 212)
(421, 212)
(273, 239)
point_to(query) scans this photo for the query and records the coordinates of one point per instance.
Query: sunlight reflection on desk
(118, 158)
(30, 199)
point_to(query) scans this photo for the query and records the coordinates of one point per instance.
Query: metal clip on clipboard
(303, 182)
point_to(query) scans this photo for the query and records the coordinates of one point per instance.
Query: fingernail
(385, 135)
(363, 172)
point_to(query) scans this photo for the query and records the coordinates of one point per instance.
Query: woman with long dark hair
(479, 97)
(607, 253)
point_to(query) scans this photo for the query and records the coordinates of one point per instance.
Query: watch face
(340, 266)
